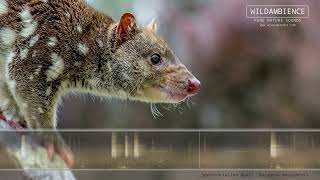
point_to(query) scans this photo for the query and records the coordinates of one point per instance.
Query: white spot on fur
(67, 14)
(28, 29)
(52, 41)
(25, 15)
(34, 40)
(126, 76)
(57, 67)
(25, 105)
(40, 110)
(3, 7)
(48, 91)
(31, 77)
(24, 53)
(29, 26)
(37, 71)
(10, 57)
(109, 67)
(34, 53)
(79, 29)
(77, 63)
(12, 84)
(100, 43)
(7, 36)
(83, 49)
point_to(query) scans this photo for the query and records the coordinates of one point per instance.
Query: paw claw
(67, 156)
(55, 145)
(50, 151)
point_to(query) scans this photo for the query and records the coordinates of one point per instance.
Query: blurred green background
(252, 77)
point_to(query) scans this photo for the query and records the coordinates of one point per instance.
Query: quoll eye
(156, 59)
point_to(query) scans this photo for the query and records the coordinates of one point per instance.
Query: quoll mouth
(192, 87)
(170, 94)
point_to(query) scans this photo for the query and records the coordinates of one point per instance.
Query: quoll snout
(193, 86)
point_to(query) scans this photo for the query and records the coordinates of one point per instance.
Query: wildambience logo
(277, 15)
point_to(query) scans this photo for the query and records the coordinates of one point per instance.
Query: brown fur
(66, 45)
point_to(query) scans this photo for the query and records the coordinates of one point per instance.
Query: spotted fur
(48, 48)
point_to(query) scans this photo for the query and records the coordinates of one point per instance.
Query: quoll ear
(126, 28)
(152, 26)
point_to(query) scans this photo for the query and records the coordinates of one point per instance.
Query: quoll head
(150, 71)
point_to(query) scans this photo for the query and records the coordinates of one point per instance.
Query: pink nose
(194, 86)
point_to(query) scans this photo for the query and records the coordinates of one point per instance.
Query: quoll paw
(55, 145)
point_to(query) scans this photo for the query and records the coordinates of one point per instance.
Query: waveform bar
(169, 150)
